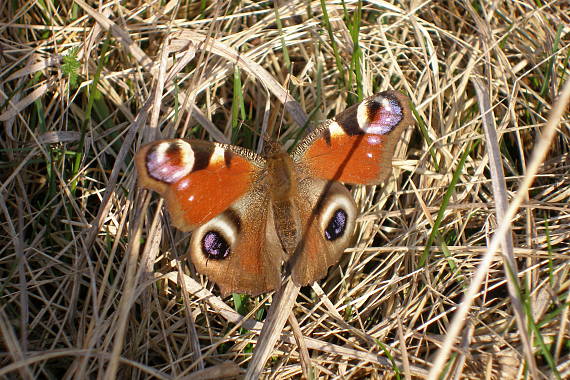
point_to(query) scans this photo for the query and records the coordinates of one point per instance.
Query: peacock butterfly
(249, 214)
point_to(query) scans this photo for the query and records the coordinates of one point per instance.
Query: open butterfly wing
(198, 179)
(357, 145)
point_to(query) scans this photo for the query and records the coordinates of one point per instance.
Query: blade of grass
(356, 61)
(238, 107)
(92, 95)
(550, 67)
(501, 204)
(283, 44)
(445, 202)
(390, 357)
(338, 60)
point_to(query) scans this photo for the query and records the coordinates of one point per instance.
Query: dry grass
(90, 284)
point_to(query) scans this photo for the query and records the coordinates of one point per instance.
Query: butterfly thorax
(282, 175)
(281, 172)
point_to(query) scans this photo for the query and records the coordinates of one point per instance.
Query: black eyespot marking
(215, 246)
(337, 225)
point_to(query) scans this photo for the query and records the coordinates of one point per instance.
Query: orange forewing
(356, 159)
(345, 150)
(204, 192)
(208, 192)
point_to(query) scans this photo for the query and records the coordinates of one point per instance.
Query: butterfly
(254, 216)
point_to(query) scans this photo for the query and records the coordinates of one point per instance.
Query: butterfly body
(250, 214)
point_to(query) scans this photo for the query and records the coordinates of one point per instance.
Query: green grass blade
(445, 202)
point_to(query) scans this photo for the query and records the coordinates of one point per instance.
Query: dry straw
(459, 267)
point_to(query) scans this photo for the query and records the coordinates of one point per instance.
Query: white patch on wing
(184, 184)
(160, 153)
(335, 129)
(362, 115)
(217, 155)
(187, 153)
(386, 104)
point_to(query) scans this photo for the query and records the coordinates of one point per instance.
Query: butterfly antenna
(287, 97)
(268, 128)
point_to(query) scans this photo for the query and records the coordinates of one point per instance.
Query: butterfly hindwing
(239, 249)
(328, 215)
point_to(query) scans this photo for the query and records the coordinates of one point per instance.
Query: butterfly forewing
(358, 144)
(198, 179)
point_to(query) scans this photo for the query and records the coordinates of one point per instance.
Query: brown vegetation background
(94, 282)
